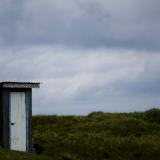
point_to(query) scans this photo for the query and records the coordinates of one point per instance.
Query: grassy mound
(98, 136)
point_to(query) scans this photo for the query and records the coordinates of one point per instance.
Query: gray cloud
(81, 23)
(101, 79)
(90, 55)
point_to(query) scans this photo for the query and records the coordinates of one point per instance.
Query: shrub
(153, 115)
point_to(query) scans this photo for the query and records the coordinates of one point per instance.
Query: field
(98, 136)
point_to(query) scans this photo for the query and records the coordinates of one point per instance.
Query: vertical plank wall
(18, 118)
(5, 117)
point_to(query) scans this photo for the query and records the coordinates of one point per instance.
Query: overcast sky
(91, 55)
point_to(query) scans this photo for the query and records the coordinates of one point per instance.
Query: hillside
(98, 136)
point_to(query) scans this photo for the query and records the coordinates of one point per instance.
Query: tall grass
(116, 136)
(98, 136)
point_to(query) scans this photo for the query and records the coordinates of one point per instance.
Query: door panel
(18, 121)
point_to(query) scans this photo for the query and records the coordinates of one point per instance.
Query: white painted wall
(18, 121)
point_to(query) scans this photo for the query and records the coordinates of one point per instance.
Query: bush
(153, 115)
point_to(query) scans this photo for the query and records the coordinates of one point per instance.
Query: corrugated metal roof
(14, 84)
(30, 82)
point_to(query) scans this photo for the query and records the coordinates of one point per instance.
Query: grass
(98, 136)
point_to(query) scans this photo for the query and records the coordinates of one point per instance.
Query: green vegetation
(98, 136)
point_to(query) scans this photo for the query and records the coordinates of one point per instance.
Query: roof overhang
(20, 84)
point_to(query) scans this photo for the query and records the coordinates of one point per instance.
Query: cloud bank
(90, 55)
(101, 79)
(105, 23)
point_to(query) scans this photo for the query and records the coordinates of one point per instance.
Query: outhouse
(16, 115)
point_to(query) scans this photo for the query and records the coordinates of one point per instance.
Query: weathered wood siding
(5, 117)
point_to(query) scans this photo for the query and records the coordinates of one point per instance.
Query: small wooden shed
(16, 115)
